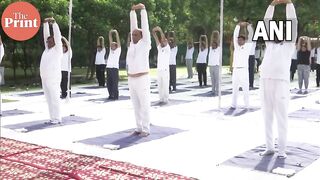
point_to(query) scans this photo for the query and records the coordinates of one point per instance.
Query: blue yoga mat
(105, 100)
(125, 138)
(295, 91)
(210, 94)
(81, 94)
(38, 125)
(31, 94)
(14, 112)
(306, 115)
(234, 112)
(171, 102)
(300, 155)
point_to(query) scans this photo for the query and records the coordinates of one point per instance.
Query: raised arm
(57, 35)
(128, 39)
(236, 35)
(110, 38)
(174, 38)
(118, 38)
(133, 20)
(145, 24)
(309, 44)
(250, 32)
(291, 15)
(299, 44)
(155, 36)
(46, 32)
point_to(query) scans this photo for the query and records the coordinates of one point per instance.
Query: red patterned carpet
(19, 160)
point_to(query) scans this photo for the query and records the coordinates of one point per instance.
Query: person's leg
(116, 83)
(318, 74)
(98, 74)
(216, 78)
(267, 94)
(144, 98)
(199, 74)
(300, 77)
(133, 88)
(204, 67)
(55, 100)
(103, 75)
(47, 96)
(109, 83)
(211, 69)
(281, 104)
(174, 81)
(306, 76)
(171, 76)
(64, 84)
(235, 87)
(189, 67)
(165, 83)
(251, 71)
(160, 85)
(245, 86)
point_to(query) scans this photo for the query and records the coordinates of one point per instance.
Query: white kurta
(100, 60)
(66, 60)
(50, 71)
(173, 56)
(138, 62)
(163, 72)
(275, 82)
(113, 58)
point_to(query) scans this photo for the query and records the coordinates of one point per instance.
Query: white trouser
(163, 85)
(51, 89)
(240, 78)
(214, 74)
(275, 96)
(140, 97)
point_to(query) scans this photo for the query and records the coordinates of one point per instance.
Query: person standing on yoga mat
(138, 69)
(275, 81)
(50, 68)
(189, 58)
(113, 66)
(173, 60)
(202, 60)
(100, 62)
(304, 62)
(65, 68)
(162, 64)
(240, 73)
(214, 61)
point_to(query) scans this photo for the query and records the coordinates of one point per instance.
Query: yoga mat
(105, 100)
(39, 125)
(125, 138)
(306, 115)
(234, 112)
(300, 155)
(210, 94)
(14, 112)
(170, 103)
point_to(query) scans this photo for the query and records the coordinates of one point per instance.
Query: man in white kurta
(100, 62)
(240, 75)
(138, 70)
(275, 82)
(189, 59)
(50, 69)
(113, 66)
(173, 64)
(65, 67)
(162, 64)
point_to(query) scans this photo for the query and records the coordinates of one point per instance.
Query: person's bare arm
(128, 39)
(155, 36)
(117, 37)
(299, 44)
(309, 44)
(110, 38)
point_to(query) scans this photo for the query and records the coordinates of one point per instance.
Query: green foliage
(93, 18)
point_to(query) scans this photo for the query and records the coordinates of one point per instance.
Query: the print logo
(20, 21)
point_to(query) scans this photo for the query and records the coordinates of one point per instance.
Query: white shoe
(267, 153)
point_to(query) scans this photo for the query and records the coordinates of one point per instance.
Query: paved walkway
(207, 138)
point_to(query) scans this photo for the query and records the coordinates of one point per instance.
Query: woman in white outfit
(65, 67)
